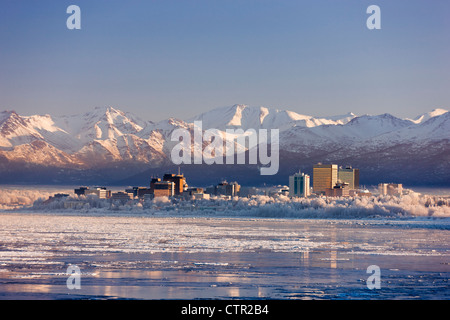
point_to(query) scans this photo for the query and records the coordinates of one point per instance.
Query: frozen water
(163, 257)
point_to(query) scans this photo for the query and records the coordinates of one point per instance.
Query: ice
(252, 248)
(166, 257)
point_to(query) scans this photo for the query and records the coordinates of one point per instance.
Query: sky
(179, 58)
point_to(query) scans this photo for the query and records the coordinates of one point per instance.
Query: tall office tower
(356, 185)
(299, 185)
(350, 176)
(324, 176)
(164, 189)
(152, 184)
(178, 180)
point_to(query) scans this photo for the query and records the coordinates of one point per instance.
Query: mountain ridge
(109, 139)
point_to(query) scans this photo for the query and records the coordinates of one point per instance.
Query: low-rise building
(100, 192)
(200, 196)
(224, 188)
(55, 197)
(121, 196)
(341, 189)
(392, 189)
(190, 192)
(360, 193)
(80, 191)
(139, 192)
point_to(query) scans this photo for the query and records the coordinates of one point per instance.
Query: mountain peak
(6, 114)
(105, 111)
(341, 119)
(426, 116)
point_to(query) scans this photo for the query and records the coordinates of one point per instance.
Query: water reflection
(316, 256)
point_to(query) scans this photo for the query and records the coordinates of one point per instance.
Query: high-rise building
(178, 180)
(350, 176)
(164, 189)
(299, 185)
(325, 176)
(152, 184)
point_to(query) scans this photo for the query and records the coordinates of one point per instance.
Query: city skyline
(158, 59)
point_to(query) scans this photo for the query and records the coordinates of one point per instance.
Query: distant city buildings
(55, 197)
(122, 197)
(224, 188)
(360, 193)
(171, 185)
(325, 177)
(139, 192)
(80, 191)
(392, 189)
(163, 189)
(195, 193)
(299, 185)
(100, 192)
(328, 180)
(152, 184)
(341, 189)
(178, 180)
(350, 176)
(332, 180)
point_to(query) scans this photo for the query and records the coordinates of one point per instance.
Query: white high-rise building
(299, 185)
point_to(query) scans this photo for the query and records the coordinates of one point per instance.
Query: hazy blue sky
(167, 58)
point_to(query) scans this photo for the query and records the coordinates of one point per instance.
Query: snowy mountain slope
(42, 153)
(359, 129)
(342, 119)
(102, 134)
(107, 137)
(101, 124)
(247, 117)
(424, 117)
(435, 128)
(15, 130)
(53, 134)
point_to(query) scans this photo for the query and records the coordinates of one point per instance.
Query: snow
(249, 117)
(243, 247)
(17, 197)
(152, 234)
(108, 133)
(411, 205)
(426, 116)
(342, 119)
(368, 131)
(163, 257)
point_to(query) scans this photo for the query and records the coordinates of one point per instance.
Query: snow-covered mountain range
(107, 138)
